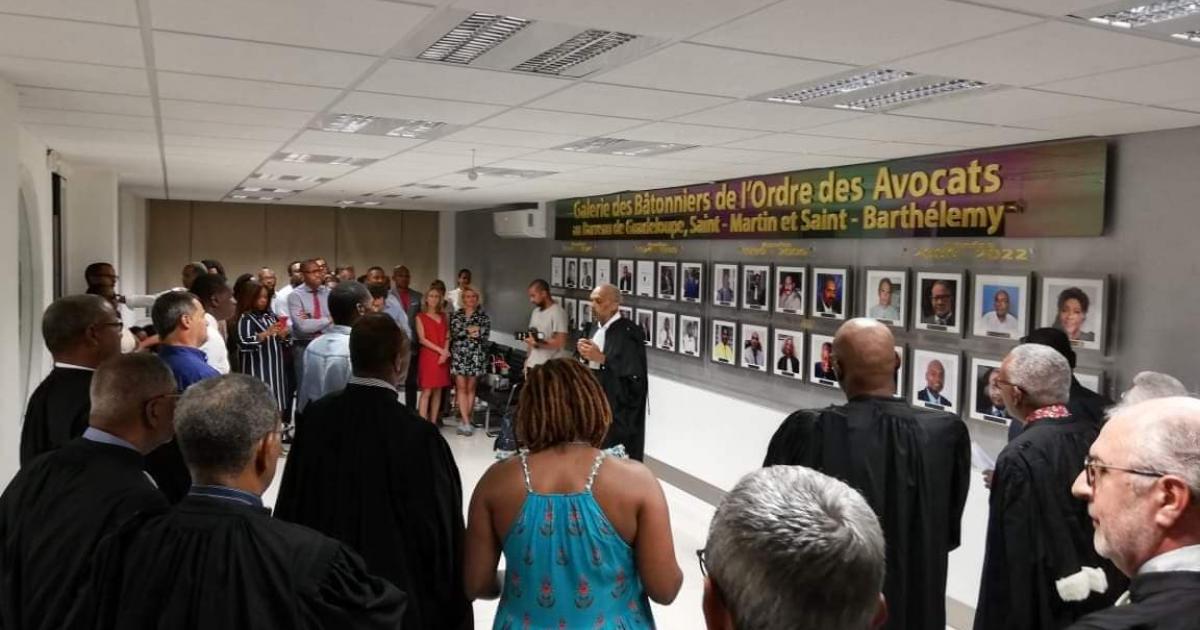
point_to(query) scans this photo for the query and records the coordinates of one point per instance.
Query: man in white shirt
(999, 320)
(547, 326)
(295, 279)
(455, 296)
(217, 298)
(327, 366)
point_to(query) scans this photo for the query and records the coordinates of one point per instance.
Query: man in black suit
(626, 279)
(935, 382)
(81, 331)
(615, 350)
(829, 300)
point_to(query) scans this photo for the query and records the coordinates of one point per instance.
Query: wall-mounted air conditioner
(530, 223)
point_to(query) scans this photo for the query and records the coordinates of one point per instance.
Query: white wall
(91, 231)
(447, 222)
(11, 398)
(131, 258)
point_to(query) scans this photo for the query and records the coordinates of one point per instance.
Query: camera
(522, 335)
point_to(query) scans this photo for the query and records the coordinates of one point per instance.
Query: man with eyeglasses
(58, 508)
(1040, 570)
(81, 332)
(1141, 483)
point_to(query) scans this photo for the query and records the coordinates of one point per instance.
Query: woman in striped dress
(260, 339)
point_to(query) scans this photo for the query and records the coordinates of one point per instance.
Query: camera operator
(547, 335)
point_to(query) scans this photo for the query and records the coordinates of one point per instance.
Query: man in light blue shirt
(327, 359)
(308, 311)
(391, 305)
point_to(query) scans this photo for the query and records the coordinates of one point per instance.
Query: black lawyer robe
(1083, 403)
(212, 563)
(366, 470)
(913, 466)
(1158, 601)
(1038, 533)
(57, 412)
(623, 378)
(52, 516)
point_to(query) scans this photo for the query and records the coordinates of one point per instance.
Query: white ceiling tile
(1132, 119)
(417, 160)
(893, 150)
(73, 76)
(1005, 107)
(86, 119)
(591, 98)
(364, 26)
(709, 70)
(796, 143)
(353, 145)
(484, 153)
(892, 128)
(90, 136)
(251, 60)
(534, 165)
(263, 147)
(107, 11)
(438, 80)
(1190, 104)
(687, 134)
(727, 155)
(388, 105)
(661, 18)
(586, 125)
(767, 116)
(226, 130)
(586, 159)
(1044, 52)
(997, 136)
(304, 169)
(1046, 7)
(174, 85)
(1150, 85)
(71, 100)
(512, 137)
(237, 114)
(860, 31)
(63, 40)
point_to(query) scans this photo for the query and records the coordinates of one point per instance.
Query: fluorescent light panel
(242, 197)
(623, 147)
(379, 126)
(1147, 14)
(576, 50)
(511, 173)
(256, 189)
(314, 158)
(910, 95)
(356, 202)
(473, 37)
(862, 81)
(289, 178)
(1190, 36)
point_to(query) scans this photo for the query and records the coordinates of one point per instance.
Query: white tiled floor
(689, 522)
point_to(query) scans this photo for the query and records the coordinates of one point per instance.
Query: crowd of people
(145, 455)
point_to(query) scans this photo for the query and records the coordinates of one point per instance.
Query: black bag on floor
(506, 440)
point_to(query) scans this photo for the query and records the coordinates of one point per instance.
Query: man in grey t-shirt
(549, 320)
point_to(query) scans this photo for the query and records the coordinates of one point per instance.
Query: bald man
(59, 506)
(614, 348)
(935, 382)
(912, 465)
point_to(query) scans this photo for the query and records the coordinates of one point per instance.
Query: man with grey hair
(218, 559)
(792, 549)
(80, 331)
(1148, 385)
(1039, 569)
(1142, 485)
(57, 509)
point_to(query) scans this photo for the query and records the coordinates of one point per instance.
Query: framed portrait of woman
(1075, 305)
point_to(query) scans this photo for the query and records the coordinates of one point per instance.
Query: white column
(11, 399)
(131, 263)
(446, 248)
(91, 222)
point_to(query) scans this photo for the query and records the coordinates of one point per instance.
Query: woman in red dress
(433, 374)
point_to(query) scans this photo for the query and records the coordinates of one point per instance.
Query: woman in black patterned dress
(260, 340)
(469, 330)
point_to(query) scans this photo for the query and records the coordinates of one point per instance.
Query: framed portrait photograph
(986, 403)
(645, 320)
(940, 302)
(754, 347)
(1076, 306)
(724, 342)
(693, 282)
(668, 280)
(571, 306)
(556, 271)
(830, 293)
(587, 273)
(585, 313)
(691, 336)
(645, 278)
(1001, 306)
(603, 271)
(625, 277)
(884, 292)
(725, 285)
(1091, 379)
(788, 348)
(626, 312)
(820, 358)
(666, 335)
(756, 287)
(789, 289)
(572, 278)
(935, 380)
(900, 372)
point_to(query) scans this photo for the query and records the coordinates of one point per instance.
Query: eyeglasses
(1001, 381)
(1090, 466)
(700, 553)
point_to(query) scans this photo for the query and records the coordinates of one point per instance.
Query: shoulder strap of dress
(524, 455)
(595, 469)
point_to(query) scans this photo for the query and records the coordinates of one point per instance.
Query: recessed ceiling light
(1146, 14)
(1190, 36)
(346, 123)
(580, 48)
(254, 197)
(623, 147)
(909, 95)
(379, 126)
(289, 178)
(473, 37)
(312, 158)
(355, 202)
(807, 92)
(511, 173)
(257, 189)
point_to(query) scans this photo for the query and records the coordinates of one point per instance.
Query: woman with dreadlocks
(585, 533)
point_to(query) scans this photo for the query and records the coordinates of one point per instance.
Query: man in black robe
(1040, 571)
(80, 331)
(912, 465)
(368, 471)
(1083, 403)
(56, 510)
(218, 559)
(1142, 487)
(615, 350)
